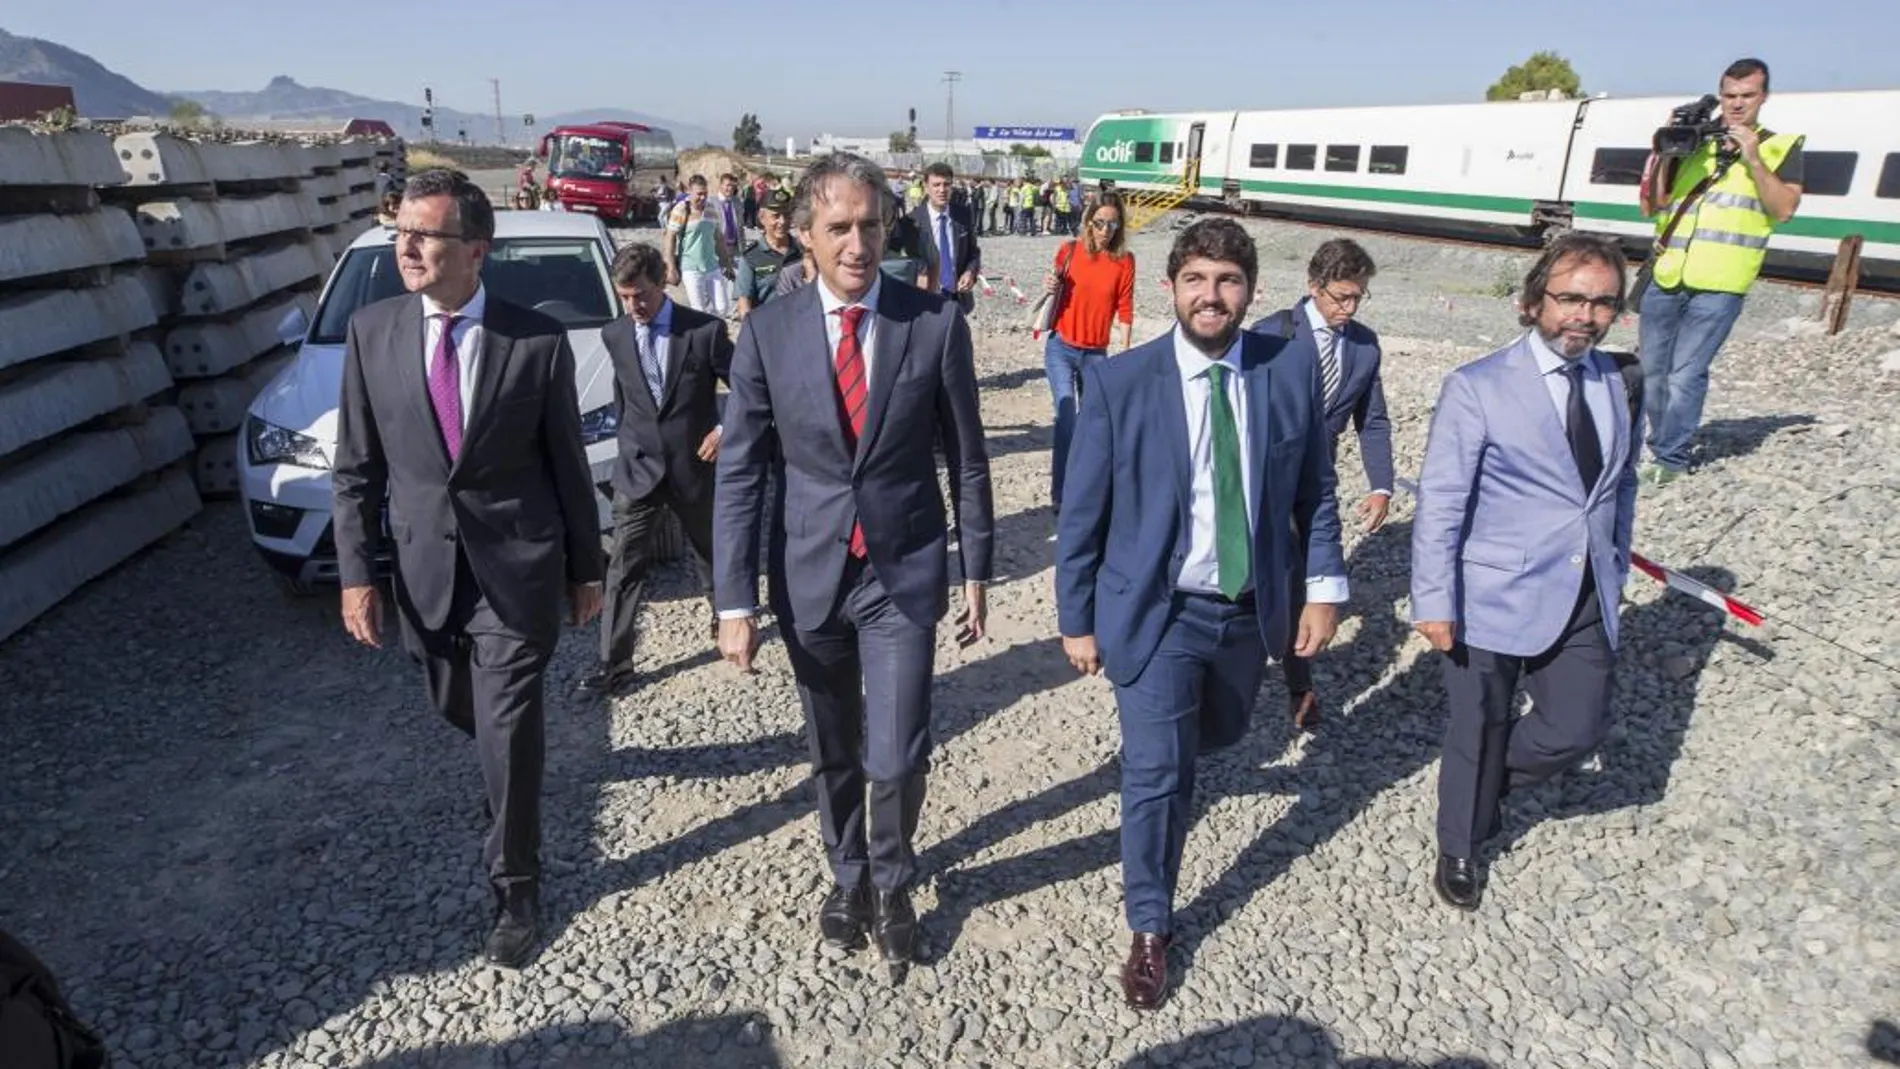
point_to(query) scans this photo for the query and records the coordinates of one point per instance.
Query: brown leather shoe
(1145, 973)
(1305, 710)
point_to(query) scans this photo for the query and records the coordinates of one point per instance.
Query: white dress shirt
(468, 341)
(830, 303)
(1200, 571)
(1596, 389)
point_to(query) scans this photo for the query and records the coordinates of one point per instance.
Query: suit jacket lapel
(675, 359)
(1172, 415)
(411, 372)
(1533, 398)
(807, 364)
(496, 347)
(1258, 378)
(1616, 449)
(887, 362)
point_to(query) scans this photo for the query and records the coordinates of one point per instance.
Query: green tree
(748, 138)
(1034, 151)
(189, 114)
(1543, 71)
(902, 141)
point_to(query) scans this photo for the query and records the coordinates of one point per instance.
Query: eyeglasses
(1105, 224)
(1350, 300)
(1577, 302)
(417, 233)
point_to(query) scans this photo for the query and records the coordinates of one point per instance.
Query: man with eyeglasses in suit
(1521, 545)
(1338, 278)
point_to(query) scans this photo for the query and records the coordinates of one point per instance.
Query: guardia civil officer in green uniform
(763, 260)
(1712, 227)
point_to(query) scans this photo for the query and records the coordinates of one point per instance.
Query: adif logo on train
(1119, 152)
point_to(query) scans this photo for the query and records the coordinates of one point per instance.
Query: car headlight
(268, 443)
(599, 425)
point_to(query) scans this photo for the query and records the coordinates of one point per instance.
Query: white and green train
(1509, 171)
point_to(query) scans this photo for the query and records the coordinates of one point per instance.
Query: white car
(556, 263)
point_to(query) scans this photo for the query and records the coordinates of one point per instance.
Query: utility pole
(950, 79)
(501, 128)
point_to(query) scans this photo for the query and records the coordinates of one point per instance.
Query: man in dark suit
(841, 392)
(668, 362)
(1337, 282)
(1195, 457)
(949, 237)
(1521, 546)
(461, 410)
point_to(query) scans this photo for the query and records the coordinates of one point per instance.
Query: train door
(1191, 167)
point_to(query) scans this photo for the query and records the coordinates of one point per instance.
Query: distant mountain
(98, 92)
(285, 100)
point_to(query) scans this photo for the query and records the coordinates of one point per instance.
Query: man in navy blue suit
(1195, 456)
(1338, 281)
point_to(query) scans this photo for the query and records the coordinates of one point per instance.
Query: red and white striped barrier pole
(983, 283)
(1669, 577)
(1021, 297)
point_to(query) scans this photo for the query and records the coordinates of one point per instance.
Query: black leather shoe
(845, 916)
(1456, 881)
(511, 943)
(606, 682)
(896, 928)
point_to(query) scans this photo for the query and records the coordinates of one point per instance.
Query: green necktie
(1231, 552)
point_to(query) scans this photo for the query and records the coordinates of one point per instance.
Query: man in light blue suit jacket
(1195, 456)
(1520, 547)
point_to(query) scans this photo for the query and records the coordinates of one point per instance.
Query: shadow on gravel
(1023, 549)
(1663, 648)
(1351, 760)
(1018, 438)
(711, 1042)
(1722, 439)
(1010, 380)
(1273, 1043)
(1883, 1042)
(962, 698)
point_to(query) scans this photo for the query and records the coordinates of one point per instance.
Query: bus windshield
(588, 157)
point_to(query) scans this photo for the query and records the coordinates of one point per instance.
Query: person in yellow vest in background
(1721, 205)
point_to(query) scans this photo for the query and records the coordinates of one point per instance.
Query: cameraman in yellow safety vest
(1723, 202)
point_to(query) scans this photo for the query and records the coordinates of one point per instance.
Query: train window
(1167, 152)
(1389, 159)
(1618, 166)
(1144, 152)
(1342, 157)
(1263, 156)
(1301, 157)
(1889, 186)
(1828, 174)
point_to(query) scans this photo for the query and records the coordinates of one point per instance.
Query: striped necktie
(1328, 364)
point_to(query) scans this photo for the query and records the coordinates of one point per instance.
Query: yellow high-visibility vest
(1721, 242)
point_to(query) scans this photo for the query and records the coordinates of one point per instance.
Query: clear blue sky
(1023, 61)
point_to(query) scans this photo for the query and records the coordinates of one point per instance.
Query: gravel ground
(242, 841)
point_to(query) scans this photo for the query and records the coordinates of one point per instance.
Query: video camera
(1689, 126)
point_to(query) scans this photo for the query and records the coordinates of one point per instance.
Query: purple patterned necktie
(445, 387)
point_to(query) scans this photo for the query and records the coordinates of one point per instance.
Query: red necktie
(852, 394)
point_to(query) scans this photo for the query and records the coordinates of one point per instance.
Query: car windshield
(588, 157)
(566, 279)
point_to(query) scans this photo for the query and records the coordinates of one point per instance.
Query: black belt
(1244, 601)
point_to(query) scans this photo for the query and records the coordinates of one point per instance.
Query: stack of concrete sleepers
(229, 231)
(93, 461)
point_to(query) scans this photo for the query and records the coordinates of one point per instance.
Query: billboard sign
(1025, 133)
